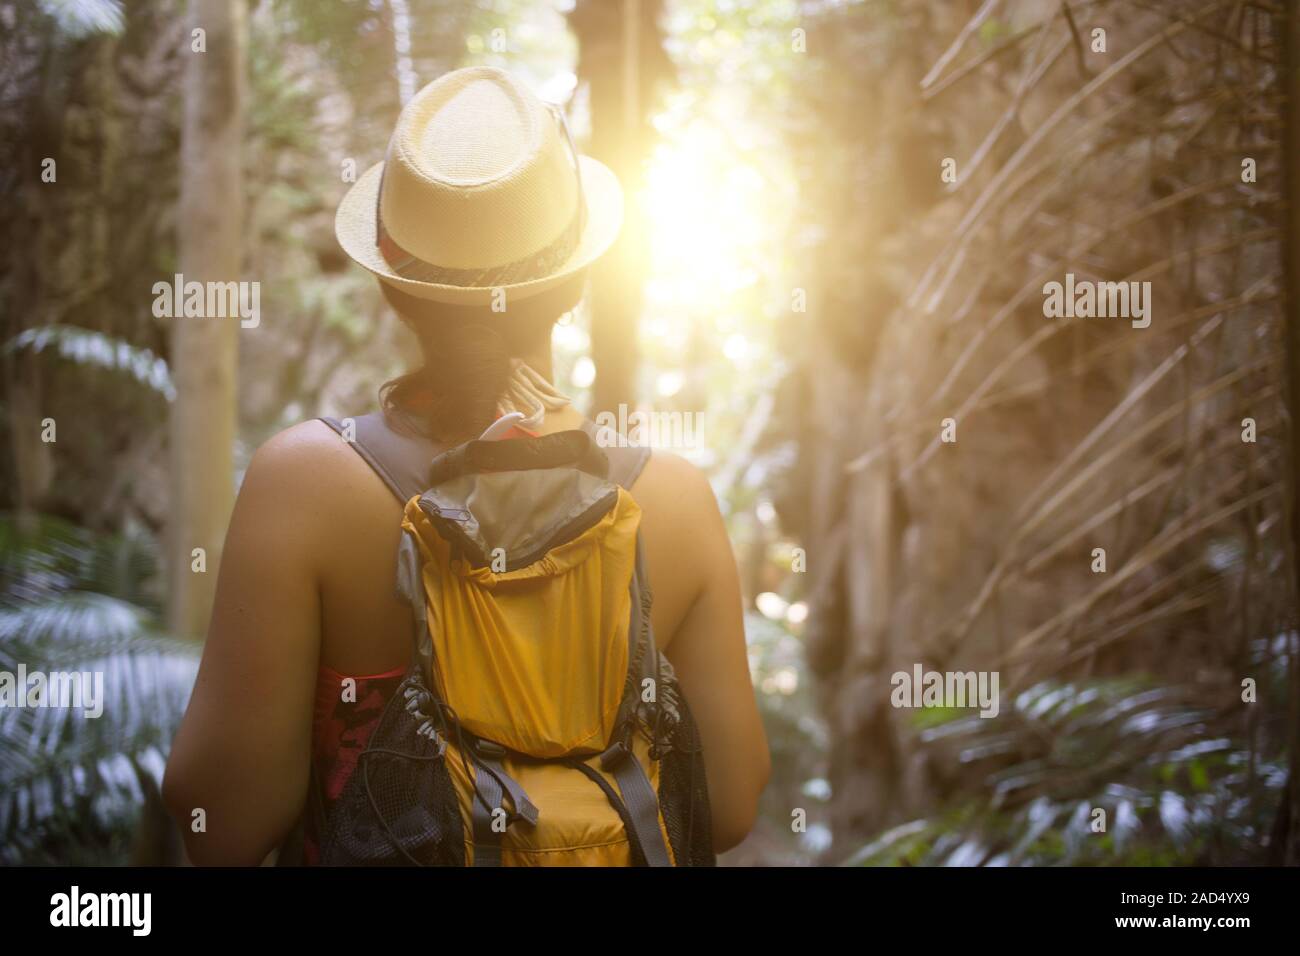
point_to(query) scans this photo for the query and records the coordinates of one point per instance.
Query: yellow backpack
(539, 724)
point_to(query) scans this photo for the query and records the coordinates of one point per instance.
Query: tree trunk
(621, 58)
(1286, 849)
(204, 349)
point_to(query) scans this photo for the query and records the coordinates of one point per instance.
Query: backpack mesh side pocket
(684, 794)
(399, 808)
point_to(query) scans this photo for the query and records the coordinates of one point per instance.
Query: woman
(480, 226)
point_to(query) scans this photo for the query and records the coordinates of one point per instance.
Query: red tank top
(341, 728)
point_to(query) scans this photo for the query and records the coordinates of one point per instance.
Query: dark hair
(467, 352)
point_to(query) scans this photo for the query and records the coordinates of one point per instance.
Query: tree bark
(1286, 835)
(204, 350)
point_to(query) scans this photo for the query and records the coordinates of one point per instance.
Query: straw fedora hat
(481, 189)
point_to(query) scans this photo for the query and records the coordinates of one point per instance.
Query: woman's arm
(708, 649)
(242, 754)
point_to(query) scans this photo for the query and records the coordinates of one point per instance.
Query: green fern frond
(79, 19)
(72, 785)
(1157, 760)
(41, 555)
(88, 347)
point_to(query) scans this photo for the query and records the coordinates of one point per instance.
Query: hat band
(541, 263)
(537, 265)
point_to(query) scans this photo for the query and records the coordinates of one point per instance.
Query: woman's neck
(559, 419)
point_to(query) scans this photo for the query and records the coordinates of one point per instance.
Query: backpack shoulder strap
(402, 461)
(625, 461)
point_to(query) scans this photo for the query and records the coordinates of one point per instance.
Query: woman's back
(307, 591)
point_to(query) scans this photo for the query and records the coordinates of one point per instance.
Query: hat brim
(354, 226)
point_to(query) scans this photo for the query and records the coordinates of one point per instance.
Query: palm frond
(42, 555)
(78, 19)
(73, 779)
(88, 347)
(1174, 785)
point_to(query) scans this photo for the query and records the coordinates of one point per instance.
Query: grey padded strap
(493, 783)
(643, 807)
(487, 842)
(524, 807)
(647, 665)
(638, 795)
(410, 588)
(625, 462)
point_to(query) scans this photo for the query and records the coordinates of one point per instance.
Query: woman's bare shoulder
(680, 514)
(311, 454)
(298, 447)
(671, 484)
(308, 471)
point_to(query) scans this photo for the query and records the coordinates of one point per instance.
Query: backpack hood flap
(518, 515)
